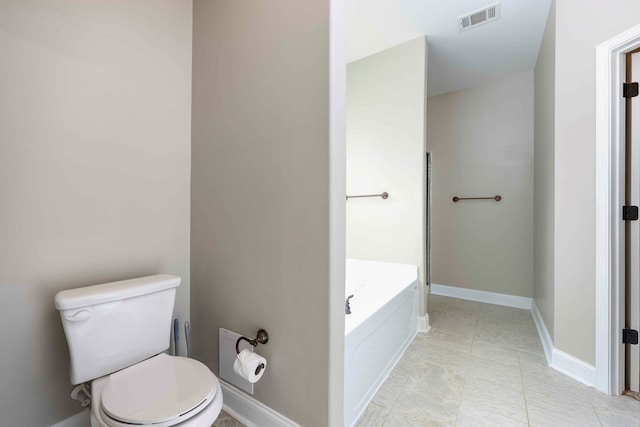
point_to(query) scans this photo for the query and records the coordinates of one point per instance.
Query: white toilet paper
(247, 364)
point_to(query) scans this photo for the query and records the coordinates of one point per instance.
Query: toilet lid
(158, 390)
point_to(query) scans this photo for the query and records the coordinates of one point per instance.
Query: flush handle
(78, 316)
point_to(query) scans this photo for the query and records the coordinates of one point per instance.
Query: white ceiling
(457, 60)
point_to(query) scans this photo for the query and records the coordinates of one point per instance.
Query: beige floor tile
(473, 415)
(392, 388)
(459, 343)
(523, 331)
(489, 396)
(532, 361)
(618, 403)
(526, 343)
(552, 387)
(226, 420)
(525, 327)
(455, 360)
(495, 326)
(483, 365)
(491, 372)
(455, 326)
(439, 303)
(461, 304)
(523, 315)
(436, 380)
(558, 414)
(503, 353)
(498, 312)
(615, 411)
(493, 336)
(402, 371)
(396, 419)
(462, 315)
(617, 419)
(427, 407)
(374, 416)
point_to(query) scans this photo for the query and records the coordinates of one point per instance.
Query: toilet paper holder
(261, 338)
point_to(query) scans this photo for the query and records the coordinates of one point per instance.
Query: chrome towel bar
(456, 199)
(384, 195)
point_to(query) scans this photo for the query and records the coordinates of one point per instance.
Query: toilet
(117, 334)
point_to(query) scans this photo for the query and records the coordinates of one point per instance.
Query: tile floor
(226, 420)
(483, 365)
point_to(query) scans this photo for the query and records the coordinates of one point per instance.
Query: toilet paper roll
(247, 365)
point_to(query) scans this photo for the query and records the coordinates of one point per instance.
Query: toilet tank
(115, 325)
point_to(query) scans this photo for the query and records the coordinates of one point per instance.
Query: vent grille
(479, 17)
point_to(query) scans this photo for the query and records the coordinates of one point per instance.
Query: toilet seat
(161, 391)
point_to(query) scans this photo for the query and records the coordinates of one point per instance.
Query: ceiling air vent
(479, 17)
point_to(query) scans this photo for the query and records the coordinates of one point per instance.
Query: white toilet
(117, 334)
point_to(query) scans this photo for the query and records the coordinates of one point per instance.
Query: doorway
(612, 193)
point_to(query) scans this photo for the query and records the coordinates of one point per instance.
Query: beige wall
(580, 26)
(481, 141)
(260, 193)
(94, 173)
(386, 115)
(543, 199)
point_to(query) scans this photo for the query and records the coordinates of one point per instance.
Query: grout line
(464, 385)
(466, 372)
(595, 410)
(597, 415)
(524, 390)
(464, 382)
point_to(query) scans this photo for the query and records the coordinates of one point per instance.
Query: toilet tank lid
(100, 294)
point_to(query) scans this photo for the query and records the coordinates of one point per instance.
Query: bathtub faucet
(347, 307)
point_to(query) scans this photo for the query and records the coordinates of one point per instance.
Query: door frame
(427, 218)
(610, 143)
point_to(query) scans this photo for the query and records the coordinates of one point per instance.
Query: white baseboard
(558, 359)
(81, 419)
(249, 411)
(482, 296)
(423, 323)
(543, 333)
(573, 367)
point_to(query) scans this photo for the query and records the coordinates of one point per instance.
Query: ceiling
(457, 60)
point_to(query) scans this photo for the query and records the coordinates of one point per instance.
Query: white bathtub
(382, 324)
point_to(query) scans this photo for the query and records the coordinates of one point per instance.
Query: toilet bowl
(117, 334)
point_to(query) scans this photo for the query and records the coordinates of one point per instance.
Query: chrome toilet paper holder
(261, 338)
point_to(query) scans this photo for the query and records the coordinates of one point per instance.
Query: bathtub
(382, 324)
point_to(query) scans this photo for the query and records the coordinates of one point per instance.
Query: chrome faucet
(347, 307)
